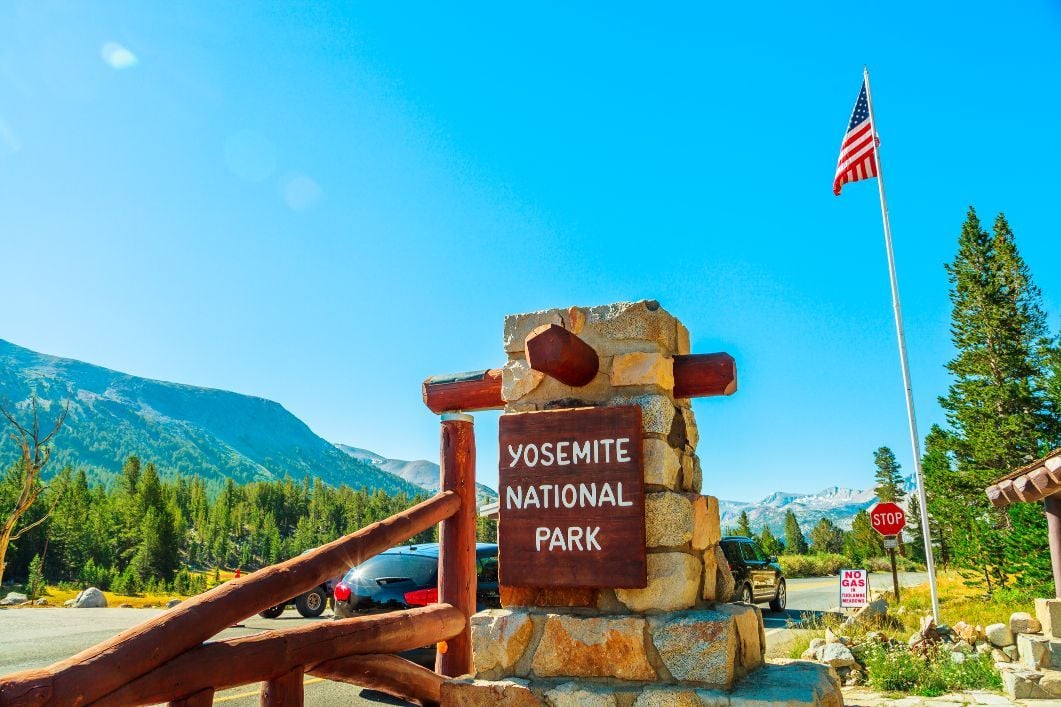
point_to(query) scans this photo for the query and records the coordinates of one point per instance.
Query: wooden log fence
(113, 665)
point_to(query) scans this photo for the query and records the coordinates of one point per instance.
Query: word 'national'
(565, 496)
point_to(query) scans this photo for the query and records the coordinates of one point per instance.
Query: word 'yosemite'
(595, 451)
(564, 496)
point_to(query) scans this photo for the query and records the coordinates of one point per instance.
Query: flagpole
(926, 532)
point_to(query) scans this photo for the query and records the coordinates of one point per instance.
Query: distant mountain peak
(837, 503)
(421, 472)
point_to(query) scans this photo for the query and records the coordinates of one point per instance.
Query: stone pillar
(594, 646)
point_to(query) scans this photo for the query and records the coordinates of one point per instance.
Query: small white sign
(854, 589)
(891, 542)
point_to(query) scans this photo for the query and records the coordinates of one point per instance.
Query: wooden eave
(1029, 483)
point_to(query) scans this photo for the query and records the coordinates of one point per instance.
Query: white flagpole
(914, 440)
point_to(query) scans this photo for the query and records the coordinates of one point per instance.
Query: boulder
(1048, 613)
(699, 646)
(571, 694)
(41, 602)
(1051, 682)
(791, 683)
(751, 647)
(1034, 650)
(1023, 685)
(172, 603)
(673, 584)
(599, 646)
(872, 612)
(1023, 622)
(1012, 652)
(967, 632)
(837, 655)
(999, 635)
(998, 656)
(473, 693)
(668, 519)
(125, 606)
(724, 583)
(90, 598)
(69, 603)
(13, 598)
(499, 637)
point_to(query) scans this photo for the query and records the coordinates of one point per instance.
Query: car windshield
(421, 570)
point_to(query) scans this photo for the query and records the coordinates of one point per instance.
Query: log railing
(166, 659)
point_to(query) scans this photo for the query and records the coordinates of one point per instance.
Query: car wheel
(746, 594)
(781, 599)
(272, 613)
(312, 603)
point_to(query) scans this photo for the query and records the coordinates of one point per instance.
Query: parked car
(311, 604)
(758, 577)
(407, 576)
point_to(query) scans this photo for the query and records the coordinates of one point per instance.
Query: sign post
(888, 519)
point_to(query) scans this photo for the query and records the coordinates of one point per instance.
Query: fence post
(203, 698)
(284, 691)
(457, 580)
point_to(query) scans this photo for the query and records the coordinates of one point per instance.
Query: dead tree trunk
(33, 455)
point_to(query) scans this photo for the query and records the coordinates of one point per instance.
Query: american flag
(858, 153)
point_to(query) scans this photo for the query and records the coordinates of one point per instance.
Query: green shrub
(820, 565)
(897, 669)
(35, 586)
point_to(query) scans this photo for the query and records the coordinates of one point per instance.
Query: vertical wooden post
(1053, 531)
(456, 555)
(895, 574)
(203, 698)
(283, 691)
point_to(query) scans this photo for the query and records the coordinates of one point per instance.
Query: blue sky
(324, 204)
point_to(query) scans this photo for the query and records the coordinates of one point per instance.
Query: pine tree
(996, 404)
(863, 541)
(743, 528)
(889, 486)
(795, 543)
(826, 537)
(770, 544)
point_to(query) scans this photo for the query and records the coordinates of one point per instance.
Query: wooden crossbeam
(695, 376)
(386, 673)
(556, 352)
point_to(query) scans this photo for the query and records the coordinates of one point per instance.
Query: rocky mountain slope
(182, 428)
(421, 472)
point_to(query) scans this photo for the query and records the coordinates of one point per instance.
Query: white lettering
(619, 486)
(587, 495)
(574, 537)
(605, 492)
(620, 450)
(545, 496)
(591, 538)
(574, 495)
(531, 497)
(557, 539)
(514, 497)
(527, 455)
(540, 536)
(515, 455)
(547, 454)
(578, 454)
(607, 444)
(561, 455)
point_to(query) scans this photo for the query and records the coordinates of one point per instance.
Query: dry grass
(56, 596)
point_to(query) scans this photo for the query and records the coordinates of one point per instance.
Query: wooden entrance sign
(572, 506)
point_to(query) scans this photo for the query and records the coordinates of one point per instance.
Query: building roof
(1029, 483)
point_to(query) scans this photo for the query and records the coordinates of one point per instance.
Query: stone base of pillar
(781, 684)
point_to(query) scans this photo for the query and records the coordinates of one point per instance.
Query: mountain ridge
(183, 428)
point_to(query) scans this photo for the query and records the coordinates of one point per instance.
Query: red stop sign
(887, 518)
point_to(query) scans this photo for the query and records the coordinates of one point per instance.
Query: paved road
(811, 597)
(34, 638)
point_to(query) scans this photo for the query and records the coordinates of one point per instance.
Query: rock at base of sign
(673, 583)
(598, 646)
(698, 646)
(499, 638)
(784, 683)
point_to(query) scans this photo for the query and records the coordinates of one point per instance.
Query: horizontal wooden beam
(386, 673)
(556, 352)
(272, 654)
(475, 390)
(704, 375)
(103, 668)
(695, 376)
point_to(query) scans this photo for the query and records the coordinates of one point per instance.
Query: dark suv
(407, 576)
(758, 577)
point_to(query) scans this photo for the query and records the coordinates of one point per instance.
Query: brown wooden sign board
(572, 506)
